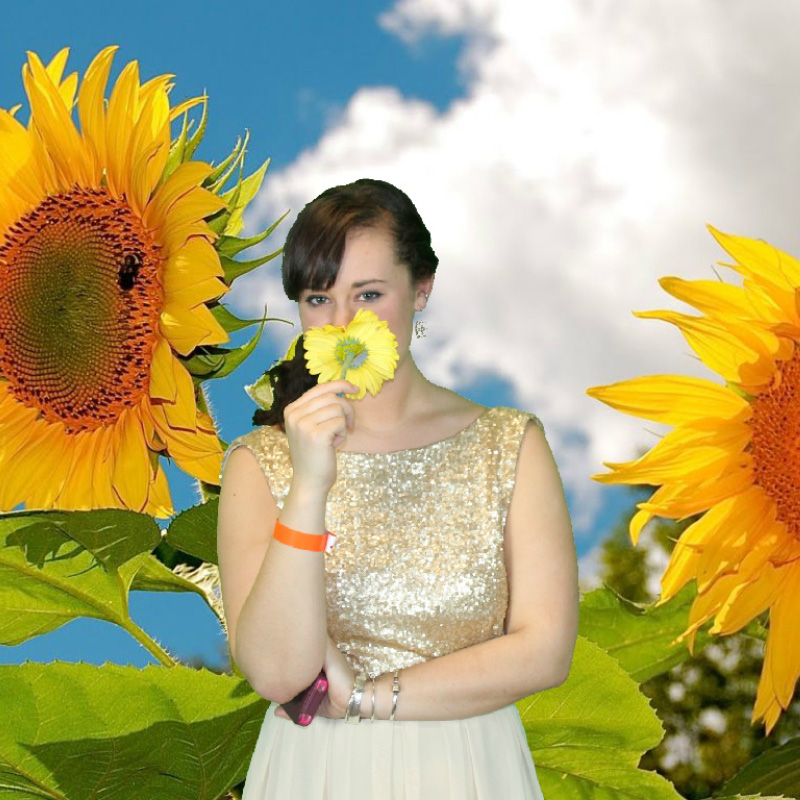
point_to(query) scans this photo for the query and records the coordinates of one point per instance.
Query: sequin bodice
(418, 569)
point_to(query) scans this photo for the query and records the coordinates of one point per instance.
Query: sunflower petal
(694, 455)
(722, 346)
(122, 114)
(53, 121)
(35, 454)
(67, 86)
(55, 69)
(695, 539)
(680, 500)
(185, 178)
(749, 599)
(783, 640)
(149, 145)
(713, 298)
(750, 532)
(91, 109)
(195, 262)
(189, 209)
(18, 169)
(132, 473)
(141, 184)
(760, 260)
(672, 399)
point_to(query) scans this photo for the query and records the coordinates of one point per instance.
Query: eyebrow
(360, 283)
(371, 280)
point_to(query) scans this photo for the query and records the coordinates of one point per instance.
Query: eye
(319, 296)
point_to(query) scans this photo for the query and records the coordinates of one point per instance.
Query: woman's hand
(340, 684)
(316, 423)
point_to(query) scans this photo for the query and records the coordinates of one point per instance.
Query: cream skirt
(478, 758)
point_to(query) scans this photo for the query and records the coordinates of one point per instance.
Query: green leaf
(194, 531)
(224, 167)
(219, 177)
(176, 151)
(638, 635)
(239, 198)
(232, 323)
(79, 731)
(234, 269)
(197, 137)
(231, 246)
(219, 220)
(776, 770)
(155, 576)
(588, 735)
(56, 566)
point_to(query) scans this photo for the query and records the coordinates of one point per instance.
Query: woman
(451, 591)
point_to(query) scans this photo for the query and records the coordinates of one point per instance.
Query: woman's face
(368, 260)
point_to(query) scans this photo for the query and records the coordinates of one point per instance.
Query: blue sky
(277, 69)
(564, 157)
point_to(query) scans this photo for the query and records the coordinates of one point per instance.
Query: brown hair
(313, 255)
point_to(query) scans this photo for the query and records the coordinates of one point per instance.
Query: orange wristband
(316, 542)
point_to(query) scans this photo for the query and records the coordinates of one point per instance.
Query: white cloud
(591, 146)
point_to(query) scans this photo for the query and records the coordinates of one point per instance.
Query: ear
(425, 285)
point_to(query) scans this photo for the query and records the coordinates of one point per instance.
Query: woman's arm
(273, 594)
(471, 681)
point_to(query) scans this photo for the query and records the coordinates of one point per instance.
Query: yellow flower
(734, 456)
(364, 352)
(106, 264)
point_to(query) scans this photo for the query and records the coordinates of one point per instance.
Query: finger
(347, 387)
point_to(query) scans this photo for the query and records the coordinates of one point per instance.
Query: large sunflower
(734, 454)
(106, 263)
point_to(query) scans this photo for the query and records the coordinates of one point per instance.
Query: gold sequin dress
(416, 572)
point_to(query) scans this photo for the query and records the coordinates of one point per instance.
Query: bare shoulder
(451, 410)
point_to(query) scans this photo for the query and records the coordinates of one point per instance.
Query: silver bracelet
(353, 712)
(372, 715)
(395, 692)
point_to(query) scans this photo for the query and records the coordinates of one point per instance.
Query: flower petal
(185, 178)
(122, 114)
(91, 110)
(53, 121)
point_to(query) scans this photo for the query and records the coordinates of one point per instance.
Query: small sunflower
(734, 457)
(364, 352)
(106, 264)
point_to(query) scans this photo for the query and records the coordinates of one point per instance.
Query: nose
(342, 318)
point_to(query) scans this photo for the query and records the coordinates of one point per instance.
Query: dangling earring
(419, 325)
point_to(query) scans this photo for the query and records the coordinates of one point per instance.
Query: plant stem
(151, 645)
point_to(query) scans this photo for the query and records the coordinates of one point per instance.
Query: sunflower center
(775, 444)
(79, 307)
